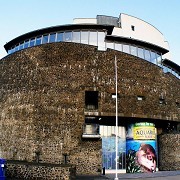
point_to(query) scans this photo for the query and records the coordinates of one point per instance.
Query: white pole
(116, 178)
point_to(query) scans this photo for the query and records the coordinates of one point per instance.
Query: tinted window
(21, 46)
(17, 48)
(26, 44)
(32, 42)
(38, 40)
(9, 51)
(45, 39)
(52, 37)
(13, 50)
(60, 37)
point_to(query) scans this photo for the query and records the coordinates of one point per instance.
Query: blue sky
(22, 16)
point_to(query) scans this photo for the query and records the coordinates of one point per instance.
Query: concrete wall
(143, 31)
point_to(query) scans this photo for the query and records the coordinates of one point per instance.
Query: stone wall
(42, 100)
(169, 152)
(24, 170)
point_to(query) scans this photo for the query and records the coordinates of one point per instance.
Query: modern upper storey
(124, 33)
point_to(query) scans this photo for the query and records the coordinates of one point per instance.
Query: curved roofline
(137, 42)
(108, 28)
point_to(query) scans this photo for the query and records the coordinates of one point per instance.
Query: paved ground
(160, 175)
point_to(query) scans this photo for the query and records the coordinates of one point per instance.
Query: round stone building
(58, 100)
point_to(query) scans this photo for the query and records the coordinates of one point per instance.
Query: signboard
(144, 131)
(141, 148)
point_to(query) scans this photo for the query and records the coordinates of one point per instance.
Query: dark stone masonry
(169, 156)
(24, 170)
(42, 106)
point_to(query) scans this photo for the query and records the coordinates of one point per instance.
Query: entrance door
(109, 147)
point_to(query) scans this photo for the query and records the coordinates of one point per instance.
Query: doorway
(109, 148)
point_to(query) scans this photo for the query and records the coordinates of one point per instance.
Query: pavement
(159, 175)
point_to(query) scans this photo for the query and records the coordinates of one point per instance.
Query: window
(38, 40)
(178, 105)
(101, 43)
(147, 55)
(13, 49)
(9, 51)
(84, 37)
(110, 45)
(93, 38)
(126, 48)
(133, 28)
(153, 57)
(165, 69)
(17, 48)
(159, 59)
(140, 98)
(32, 42)
(60, 37)
(26, 44)
(118, 47)
(114, 95)
(162, 100)
(91, 100)
(141, 53)
(68, 36)
(52, 37)
(45, 39)
(21, 46)
(76, 37)
(133, 50)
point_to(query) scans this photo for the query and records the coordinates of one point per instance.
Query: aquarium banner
(144, 131)
(141, 153)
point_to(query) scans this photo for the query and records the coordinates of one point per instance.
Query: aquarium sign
(144, 131)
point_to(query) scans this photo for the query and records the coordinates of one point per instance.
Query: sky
(18, 17)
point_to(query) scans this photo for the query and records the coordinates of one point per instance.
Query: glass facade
(95, 38)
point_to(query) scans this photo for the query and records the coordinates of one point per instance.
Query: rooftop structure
(126, 33)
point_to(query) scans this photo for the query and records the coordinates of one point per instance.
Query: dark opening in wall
(162, 100)
(91, 100)
(178, 105)
(133, 28)
(140, 98)
(113, 95)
